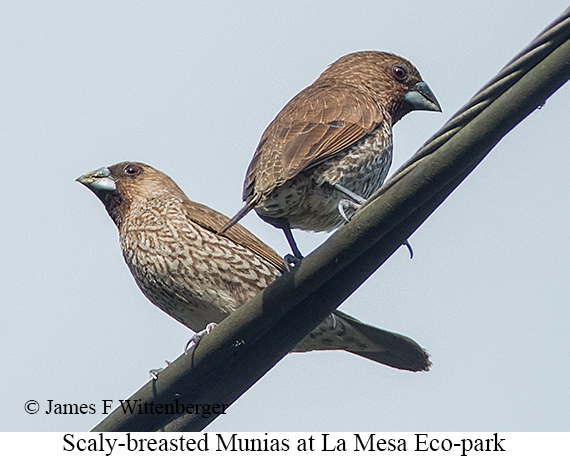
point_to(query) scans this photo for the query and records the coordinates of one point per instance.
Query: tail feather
(343, 332)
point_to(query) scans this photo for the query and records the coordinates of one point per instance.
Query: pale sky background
(188, 87)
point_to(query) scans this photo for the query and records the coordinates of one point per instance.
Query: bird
(197, 276)
(330, 147)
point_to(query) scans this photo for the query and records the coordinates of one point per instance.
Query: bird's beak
(99, 181)
(422, 98)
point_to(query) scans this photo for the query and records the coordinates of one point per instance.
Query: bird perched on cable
(180, 262)
(330, 147)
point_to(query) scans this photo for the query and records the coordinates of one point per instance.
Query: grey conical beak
(99, 181)
(422, 98)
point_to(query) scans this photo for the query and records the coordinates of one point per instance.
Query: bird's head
(127, 184)
(391, 80)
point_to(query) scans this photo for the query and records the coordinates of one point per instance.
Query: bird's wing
(315, 125)
(214, 221)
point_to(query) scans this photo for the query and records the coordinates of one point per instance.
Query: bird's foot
(345, 205)
(291, 261)
(154, 372)
(199, 335)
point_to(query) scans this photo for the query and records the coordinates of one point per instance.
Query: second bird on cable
(330, 147)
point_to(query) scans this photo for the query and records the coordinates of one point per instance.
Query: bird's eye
(132, 170)
(400, 72)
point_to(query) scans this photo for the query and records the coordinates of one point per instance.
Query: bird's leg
(350, 194)
(199, 335)
(289, 262)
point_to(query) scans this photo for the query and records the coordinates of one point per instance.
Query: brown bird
(195, 275)
(330, 147)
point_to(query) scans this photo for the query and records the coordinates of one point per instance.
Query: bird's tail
(238, 216)
(343, 332)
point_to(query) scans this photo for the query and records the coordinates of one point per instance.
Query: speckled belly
(309, 202)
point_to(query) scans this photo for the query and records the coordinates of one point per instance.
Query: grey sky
(189, 87)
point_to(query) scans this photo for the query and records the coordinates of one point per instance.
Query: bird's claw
(199, 335)
(344, 205)
(410, 250)
(154, 372)
(291, 261)
(333, 322)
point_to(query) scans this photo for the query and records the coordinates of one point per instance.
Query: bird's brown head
(390, 79)
(127, 184)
